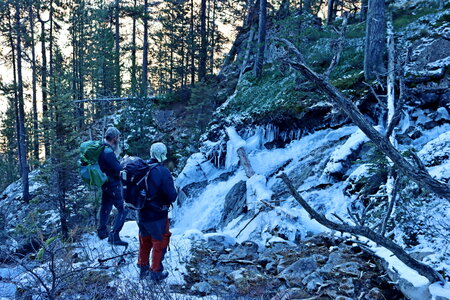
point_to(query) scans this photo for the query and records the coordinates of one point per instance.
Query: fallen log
(398, 251)
(419, 176)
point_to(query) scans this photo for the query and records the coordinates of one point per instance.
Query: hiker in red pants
(153, 221)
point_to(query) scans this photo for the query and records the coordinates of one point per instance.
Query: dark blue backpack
(134, 178)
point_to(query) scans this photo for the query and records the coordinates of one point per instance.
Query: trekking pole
(102, 260)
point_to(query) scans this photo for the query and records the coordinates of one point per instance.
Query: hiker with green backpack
(99, 166)
(112, 189)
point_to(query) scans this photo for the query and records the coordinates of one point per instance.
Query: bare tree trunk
(192, 46)
(392, 199)
(248, 50)
(259, 63)
(22, 139)
(33, 82)
(203, 42)
(391, 78)
(375, 40)
(183, 65)
(118, 83)
(81, 51)
(283, 12)
(391, 183)
(339, 46)
(213, 38)
(51, 47)
(133, 55)
(16, 96)
(44, 89)
(171, 58)
(144, 81)
(398, 251)
(306, 6)
(420, 176)
(363, 13)
(330, 14)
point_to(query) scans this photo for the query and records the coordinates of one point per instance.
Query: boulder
(235, 202)
(313, 281)
(349, 268)
(334, 259)
(245, 251)
(374, 294)
(203, 288)
(295, 273)
(347, 287)
(292, 293)
(219, 242)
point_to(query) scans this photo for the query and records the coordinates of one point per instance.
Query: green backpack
(90, 170)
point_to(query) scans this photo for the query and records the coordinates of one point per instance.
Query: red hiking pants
(147, 243)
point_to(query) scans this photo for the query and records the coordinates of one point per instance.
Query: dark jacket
(109, 164)
(161, 190)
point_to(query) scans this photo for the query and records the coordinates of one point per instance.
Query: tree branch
(401, 254)
(390, 207)
(340, 44)
(421, 177)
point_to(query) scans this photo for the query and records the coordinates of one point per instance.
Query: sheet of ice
(205, 211)
(197, 169)
(266, 161)
(257, 190)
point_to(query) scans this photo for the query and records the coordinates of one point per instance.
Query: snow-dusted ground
(325, 150)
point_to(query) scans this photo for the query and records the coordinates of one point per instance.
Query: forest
(308, 141)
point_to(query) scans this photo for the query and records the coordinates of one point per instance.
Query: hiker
(111, 189)
(153, 218)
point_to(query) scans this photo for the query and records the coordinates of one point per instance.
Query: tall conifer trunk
(261, 39)
(375, 40)
(144, 81)
(22, 132)
(203, 42)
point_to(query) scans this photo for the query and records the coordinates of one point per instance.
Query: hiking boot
(144, 271)
(102, 234)
(117, 241)
(158, 276)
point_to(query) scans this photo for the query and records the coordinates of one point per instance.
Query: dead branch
(421, 177)
(390, 207)
(419, 164)
(377, 97)
(251, 220)
(398, 251)
(339, 46)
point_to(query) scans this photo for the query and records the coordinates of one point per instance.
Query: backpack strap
(152, 166)
(146, 179)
